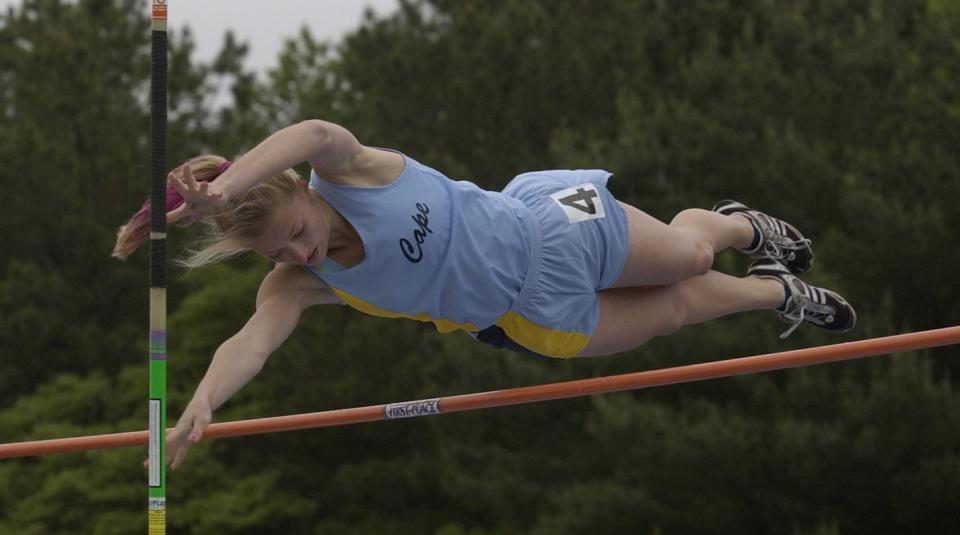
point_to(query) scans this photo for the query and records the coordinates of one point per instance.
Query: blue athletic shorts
(583, 248)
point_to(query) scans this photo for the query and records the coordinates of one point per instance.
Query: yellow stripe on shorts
(542, 340)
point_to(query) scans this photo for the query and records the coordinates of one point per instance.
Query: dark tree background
(842, 116)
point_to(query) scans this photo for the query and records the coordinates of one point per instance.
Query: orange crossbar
(515, 396)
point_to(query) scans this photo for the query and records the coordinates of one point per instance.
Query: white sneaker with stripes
(804, 302)
(779, 240)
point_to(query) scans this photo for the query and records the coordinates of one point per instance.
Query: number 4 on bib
(580, 203)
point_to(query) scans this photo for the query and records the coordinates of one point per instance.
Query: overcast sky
(262, 24)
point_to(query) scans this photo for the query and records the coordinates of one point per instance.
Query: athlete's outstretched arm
(283, 296)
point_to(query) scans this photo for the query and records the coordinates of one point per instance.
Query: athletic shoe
(779, 240)
(806, 303)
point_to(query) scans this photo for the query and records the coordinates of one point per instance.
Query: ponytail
(205, 168)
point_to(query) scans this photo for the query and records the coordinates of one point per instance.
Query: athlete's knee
(702, 255)
(698, 254)
(699, 249)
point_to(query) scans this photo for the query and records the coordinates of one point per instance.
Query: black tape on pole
(158, 160)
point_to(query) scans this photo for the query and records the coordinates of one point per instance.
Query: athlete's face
(298, 233)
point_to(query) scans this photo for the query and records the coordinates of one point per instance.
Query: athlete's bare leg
(631, 316)
(661, 254)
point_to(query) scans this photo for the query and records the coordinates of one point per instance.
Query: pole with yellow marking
(157, 500)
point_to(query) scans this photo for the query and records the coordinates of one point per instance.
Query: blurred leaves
(839, 116)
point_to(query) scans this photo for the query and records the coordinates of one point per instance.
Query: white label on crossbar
(410, 409)
(153, 448)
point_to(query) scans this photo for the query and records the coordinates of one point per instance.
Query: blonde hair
(230, 228)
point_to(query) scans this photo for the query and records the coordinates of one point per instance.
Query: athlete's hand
(188, 431)
(197, 195)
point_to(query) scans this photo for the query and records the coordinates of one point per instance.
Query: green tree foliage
(814, 453)
(74, 131)
(74, 143)
(840, 116)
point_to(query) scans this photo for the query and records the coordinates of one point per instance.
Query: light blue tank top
(435, 249)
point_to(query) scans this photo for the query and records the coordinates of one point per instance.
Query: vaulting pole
(515, 396)
(157, 478)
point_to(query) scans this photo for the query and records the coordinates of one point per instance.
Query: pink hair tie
(223, 167)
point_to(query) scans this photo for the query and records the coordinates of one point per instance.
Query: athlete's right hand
(198, 195)
(188, 431)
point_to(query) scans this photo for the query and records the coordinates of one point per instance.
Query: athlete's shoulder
(293, 283)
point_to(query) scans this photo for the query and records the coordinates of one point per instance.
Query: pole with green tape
(157, 478)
